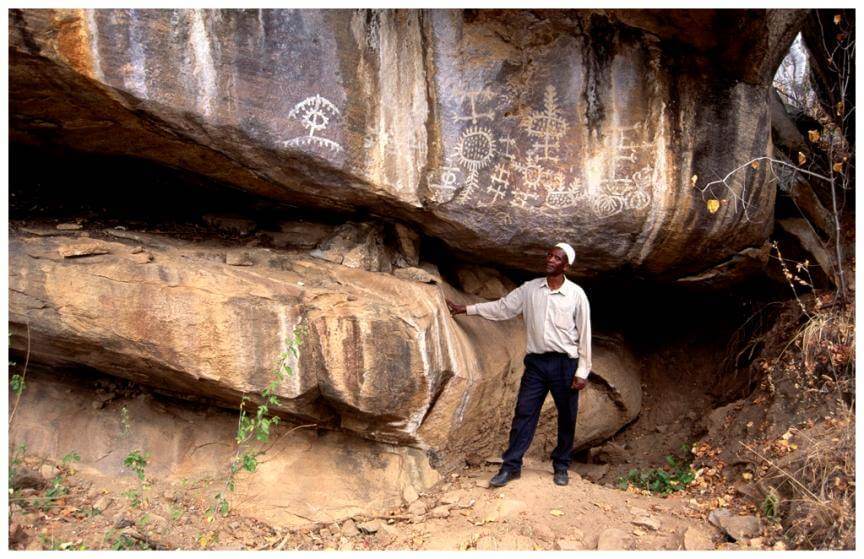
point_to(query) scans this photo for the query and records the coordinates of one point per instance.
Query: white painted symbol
(625, 189)
(625, 149)
(499, 183)
(547, 127)
(474, 151)
(476, 148)
(567, 197)
(443, 186)
(536, 181)
(473, 97)
(420, 151)
(505, 218)
(508, 146)
(314, 114)
(606, 206)
(381, 139)
(640, 196)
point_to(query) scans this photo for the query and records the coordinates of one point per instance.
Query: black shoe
(561, 477)
(503, 477)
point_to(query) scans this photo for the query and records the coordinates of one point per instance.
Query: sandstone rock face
(500, 132)
(380, 355)
(305, 477)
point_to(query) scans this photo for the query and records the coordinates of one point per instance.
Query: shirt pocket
(563, 319)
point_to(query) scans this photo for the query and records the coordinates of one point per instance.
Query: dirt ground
(531, 513)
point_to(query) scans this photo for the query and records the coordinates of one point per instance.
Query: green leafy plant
(72, 457)
(15, 460)
(675, 476)
(124, 542)
(16, 383)
(134, 497)
(90, 511)
(770, 505)
(125, 423)
(57, 489)
(136, 461)
(252, 428)
(53, 545)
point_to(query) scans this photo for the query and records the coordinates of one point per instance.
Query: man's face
(556, 261)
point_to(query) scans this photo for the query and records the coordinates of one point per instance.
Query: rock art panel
(500, 132)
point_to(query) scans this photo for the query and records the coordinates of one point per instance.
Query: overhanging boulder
(500, 132)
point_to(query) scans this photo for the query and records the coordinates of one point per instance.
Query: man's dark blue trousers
(544, 372)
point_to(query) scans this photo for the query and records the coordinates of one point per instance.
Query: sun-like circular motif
(606, 206)
(637, 200)
(314, 119)
(476, 148)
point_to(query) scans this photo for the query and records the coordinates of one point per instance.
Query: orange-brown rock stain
(73, 40)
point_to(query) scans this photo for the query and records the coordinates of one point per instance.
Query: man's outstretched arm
(455, 308)
(506, 307)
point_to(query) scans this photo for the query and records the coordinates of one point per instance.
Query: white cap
(568, 250)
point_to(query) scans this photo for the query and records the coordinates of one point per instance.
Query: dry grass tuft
(816, 482)
(818, 502)
(828, 348)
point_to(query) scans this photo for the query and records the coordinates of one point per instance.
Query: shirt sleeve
(506, 307)
(583, 323)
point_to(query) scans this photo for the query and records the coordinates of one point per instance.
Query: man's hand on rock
(455, 308)
(578, 383)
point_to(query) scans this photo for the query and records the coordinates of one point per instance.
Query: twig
(740, 197)
(785, 473)
(23, 377)
(281, 545)
(282, 436)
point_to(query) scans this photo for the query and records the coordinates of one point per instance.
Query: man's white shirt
(558, 320)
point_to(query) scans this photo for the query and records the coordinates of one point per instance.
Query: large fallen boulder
(500, 132)
(380, 355)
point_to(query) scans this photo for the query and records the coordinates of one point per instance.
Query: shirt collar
(564, 289)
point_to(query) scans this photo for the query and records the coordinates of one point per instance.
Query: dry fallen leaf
(838, 167)
(802, 159)
(813, 135)
(713, 205)
(556, 512)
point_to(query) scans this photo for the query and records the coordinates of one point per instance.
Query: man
(558, 359)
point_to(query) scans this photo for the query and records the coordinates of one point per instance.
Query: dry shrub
(819, 507)
(828, 349)
(817, 481)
